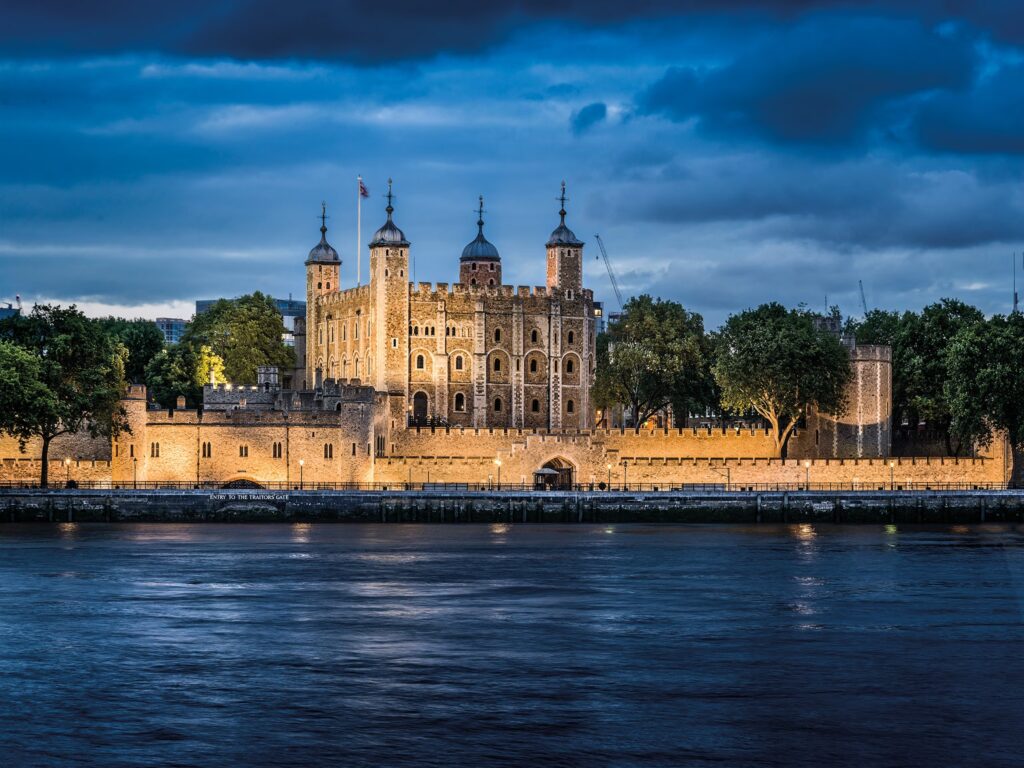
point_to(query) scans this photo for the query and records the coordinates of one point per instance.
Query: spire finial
(390, 197)
(323, 218)
(562, 200)
(480, 215)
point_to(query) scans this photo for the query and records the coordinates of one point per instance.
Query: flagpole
(359, 229)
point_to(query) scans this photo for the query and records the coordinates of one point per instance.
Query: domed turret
(562, 235)
(480, 247)
(389, 234)
(480, 263)
(323, 252)
(565, 257)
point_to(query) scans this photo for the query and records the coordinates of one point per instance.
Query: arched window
(497, 404)
(460, 401)
(497, 364)
(419, 362)
(458, 362)
(533, 366)
(568, 366)
(357, 367)
(473, 281)
(497, 335)
(570, 406)
(416, 331)
(489, 282)
(533, 336)
(535, 406)
(570, 337)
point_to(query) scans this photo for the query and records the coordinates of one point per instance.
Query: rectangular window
(243, 451)
(154, 450)
(353, 449)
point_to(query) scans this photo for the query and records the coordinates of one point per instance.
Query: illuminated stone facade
(462, 383)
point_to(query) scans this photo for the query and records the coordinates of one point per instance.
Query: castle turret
(480, 263)
(389, 275)
(565, 257)
(323, 267)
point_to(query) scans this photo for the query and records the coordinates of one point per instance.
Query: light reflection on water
(510, 645)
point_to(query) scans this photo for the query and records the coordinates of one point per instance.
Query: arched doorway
(555, 475)
(419, 408)
(242, 482)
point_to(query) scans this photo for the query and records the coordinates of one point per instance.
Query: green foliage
(23, 394)
(778, 362)
(878, 327)
(141, 338)
(245, 333)
(984, 390)
(180, 370)
(80, 370)
(656, 356)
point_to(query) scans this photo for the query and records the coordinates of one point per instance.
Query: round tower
(480, 263)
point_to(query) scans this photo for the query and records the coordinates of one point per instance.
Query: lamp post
(302, 463)
(135, 472)
(609, 467)
(892, 470)
(625, 475)
(67, 466)
(497, 463)
(807, 475)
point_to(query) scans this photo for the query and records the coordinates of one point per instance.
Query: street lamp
(892, 470)
(497, 463)
(625, 476)
(807, 475)
(67, 466)
(609, 477)
(302, 463)
(135, 472)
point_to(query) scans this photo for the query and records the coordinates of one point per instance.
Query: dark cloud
(356, 30)
(588, 117)
(988, 119)
(825, 81)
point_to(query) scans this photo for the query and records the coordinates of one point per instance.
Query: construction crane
(863, 301)
(611, 272)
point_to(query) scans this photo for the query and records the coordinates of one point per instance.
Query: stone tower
(389, 279)
(323, 272)
(480, 263)
(565, 258)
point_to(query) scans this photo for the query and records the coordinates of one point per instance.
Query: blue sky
(728, 152)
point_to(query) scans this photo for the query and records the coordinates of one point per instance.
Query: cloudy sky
(729, 152)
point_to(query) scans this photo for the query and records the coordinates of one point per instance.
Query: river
(474, 645)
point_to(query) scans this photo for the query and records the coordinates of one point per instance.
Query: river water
(388, 645)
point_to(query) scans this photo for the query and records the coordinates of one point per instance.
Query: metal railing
(427, 487)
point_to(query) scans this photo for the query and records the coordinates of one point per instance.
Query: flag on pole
(363, 191)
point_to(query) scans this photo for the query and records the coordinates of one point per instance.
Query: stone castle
(474, 382)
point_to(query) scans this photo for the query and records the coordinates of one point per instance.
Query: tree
(920, 355)
(245, 333)
(180, 370)
(778, 362)
(142, 338)
(81, 369)
(655, 356)
(985, 387)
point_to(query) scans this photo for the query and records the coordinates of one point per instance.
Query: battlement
(424, 291)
